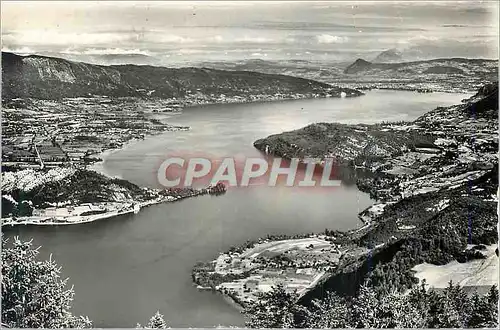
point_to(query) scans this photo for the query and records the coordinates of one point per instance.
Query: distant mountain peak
(389, 56)
(361, 61)
(358, 65)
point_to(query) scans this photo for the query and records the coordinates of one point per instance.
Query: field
(479, 273)
(296, 263)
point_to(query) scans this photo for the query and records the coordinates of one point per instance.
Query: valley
(423, 173)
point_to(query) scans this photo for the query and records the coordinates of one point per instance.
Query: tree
(456, 307)
(479, 313)
(33, 293)
(416, 308)
(484, 310)
(365, 308)
(276, 309)
(418, 297)
(155, 322)
(329, 312)
(396, 310)
(492, 297)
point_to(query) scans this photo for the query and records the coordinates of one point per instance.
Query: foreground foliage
(35, 296)
(155, 322)
(418, 308)
(33, 293)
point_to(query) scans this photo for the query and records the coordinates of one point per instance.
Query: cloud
(48, 37)
(420, 37)
(253, 40)
(418, 40)
(73, 40)
(105, 51)
(217, 38)
(187, 51)
(22, 50)
(329, 39)
(174, 39)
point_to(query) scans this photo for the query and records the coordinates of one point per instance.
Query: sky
(238, 30)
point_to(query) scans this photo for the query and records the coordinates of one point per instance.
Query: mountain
(463, 66)
(359, 65)
(437, 75)
(53, 78)
(389, 56)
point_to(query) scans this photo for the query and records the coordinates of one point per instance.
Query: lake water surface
(125, 269)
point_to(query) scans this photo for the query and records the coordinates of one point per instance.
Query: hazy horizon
(184, 32)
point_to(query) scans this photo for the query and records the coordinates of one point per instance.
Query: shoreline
(136, 208)
(87, 219)
(98, 166)
(312, 258)
(232, 301)
(61, 223)
(361, 89)
(106, 153)
(285, 99)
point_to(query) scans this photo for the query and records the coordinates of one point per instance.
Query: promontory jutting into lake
(250, 164)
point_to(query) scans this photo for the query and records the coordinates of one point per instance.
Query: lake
(126, 268)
